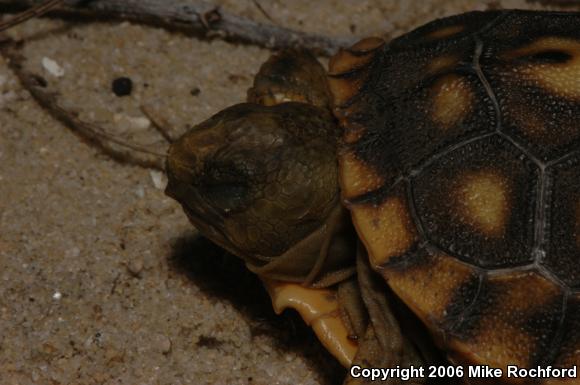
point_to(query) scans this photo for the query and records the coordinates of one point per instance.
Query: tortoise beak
(185, 167)
(207, 221)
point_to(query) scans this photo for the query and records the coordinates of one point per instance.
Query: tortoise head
(256, 179)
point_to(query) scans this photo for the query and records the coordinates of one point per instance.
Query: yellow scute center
(442, 63)
(484, 197)
(558, 78)
(452, 98)
(445, 32)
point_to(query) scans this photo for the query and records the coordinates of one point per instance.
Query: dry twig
(35, 11)
(117, 148)
(158, 123)
(262, 10)
(198, 17)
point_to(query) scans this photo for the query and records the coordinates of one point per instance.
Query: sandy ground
(102, 279)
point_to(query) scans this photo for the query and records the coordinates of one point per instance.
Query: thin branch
(158, 123)
(35, 11)
(262, 10)
(198, 17)
(115, 147)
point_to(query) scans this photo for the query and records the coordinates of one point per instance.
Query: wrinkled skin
(260, 179)
(257, 179)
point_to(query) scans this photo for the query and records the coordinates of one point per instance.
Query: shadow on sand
(224, 277)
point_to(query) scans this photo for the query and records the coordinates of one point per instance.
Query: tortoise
(440, 170)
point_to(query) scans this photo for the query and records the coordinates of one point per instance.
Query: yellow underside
(319, 309)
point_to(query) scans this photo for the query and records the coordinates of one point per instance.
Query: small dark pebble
(195, 91)
(234, 78)
(40, 81)
(208, 342)
(122, 86)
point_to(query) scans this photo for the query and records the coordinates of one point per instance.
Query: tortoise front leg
(320, 309)
(383, 344)
(353, 309)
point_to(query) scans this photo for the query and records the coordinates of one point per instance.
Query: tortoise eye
(227, 197)
(225, 188)
(549, 57)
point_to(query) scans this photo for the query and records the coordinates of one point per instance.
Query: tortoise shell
(461, 168)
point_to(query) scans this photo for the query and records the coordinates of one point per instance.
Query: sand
(102, 278)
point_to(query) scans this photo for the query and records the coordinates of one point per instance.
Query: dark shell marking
(461, 167)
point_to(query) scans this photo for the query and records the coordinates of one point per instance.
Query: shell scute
(535, 77)
(477, 202)
(436, 286)
(504, 327)
(386, 229)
